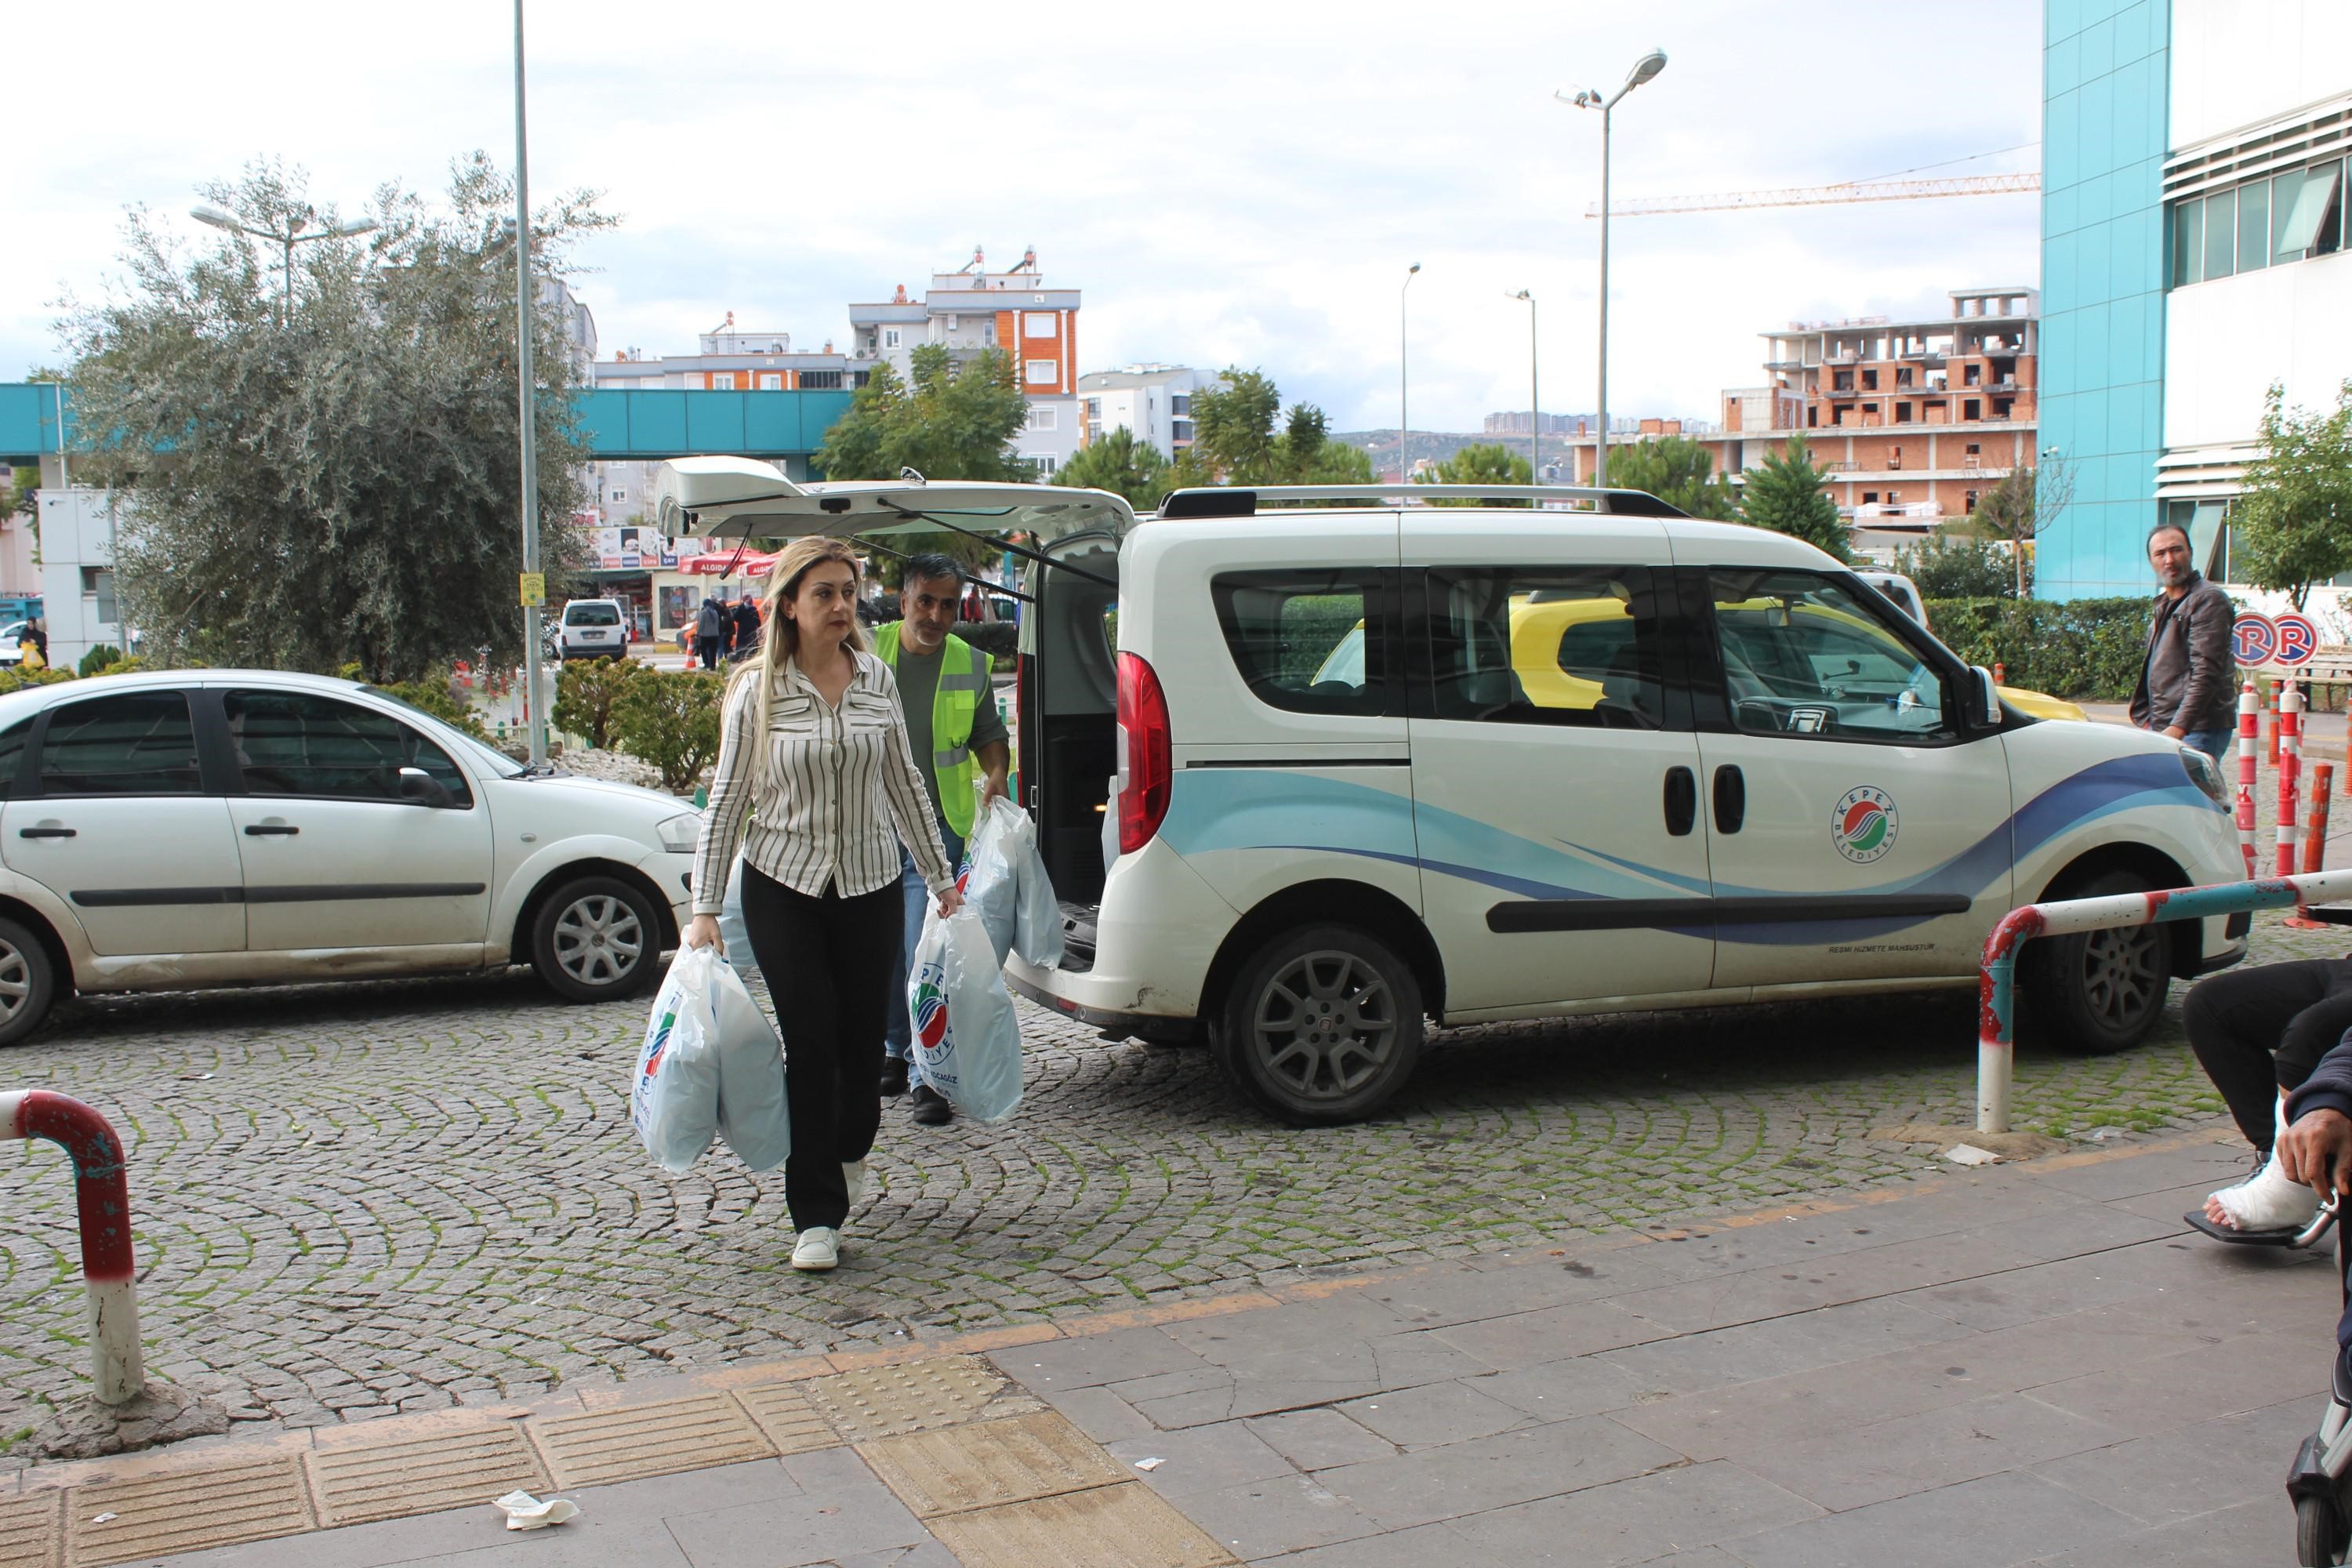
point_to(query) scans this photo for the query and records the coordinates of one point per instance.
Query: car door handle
(44, 833)
(1682, 801)
(1730, 799)
(269, 829)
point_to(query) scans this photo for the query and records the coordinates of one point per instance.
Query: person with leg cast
(813, 751)
(2258, 1033)
(958, 740)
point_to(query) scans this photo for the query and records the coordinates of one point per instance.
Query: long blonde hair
(781, 639)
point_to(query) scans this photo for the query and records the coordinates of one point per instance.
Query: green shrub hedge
(2079, 649)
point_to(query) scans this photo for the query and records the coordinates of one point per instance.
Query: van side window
(1573, 645)
(1308, 641)
(1804, 657)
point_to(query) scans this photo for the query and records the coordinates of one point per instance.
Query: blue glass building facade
(2105, 90)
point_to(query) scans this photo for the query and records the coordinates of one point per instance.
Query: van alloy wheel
(1322, 1027)
(2096, 991)
(2123, 974)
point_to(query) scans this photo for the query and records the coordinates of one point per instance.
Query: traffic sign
(534, 592)
(2254, 639)
(2298, 639)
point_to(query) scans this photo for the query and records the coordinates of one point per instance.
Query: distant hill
(1436, 446)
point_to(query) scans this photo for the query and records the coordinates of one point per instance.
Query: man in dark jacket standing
(709, 631)
(747, 627)
(2187, 687)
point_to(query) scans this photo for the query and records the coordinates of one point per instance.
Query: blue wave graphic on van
(1255, 809)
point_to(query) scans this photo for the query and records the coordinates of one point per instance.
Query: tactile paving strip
(1125, 1526)
(424, 1475)
(655, 1439)
(156, 1516)
(886, 1401)
(30, 1536)
(785, 1415)
(959, 1469)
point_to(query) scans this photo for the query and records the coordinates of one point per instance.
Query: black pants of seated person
(2262, 1029)
(828, 964)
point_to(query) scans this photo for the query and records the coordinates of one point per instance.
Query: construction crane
(1818, 196)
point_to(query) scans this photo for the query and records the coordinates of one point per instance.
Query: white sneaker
(817, 1250)
(853, 1176)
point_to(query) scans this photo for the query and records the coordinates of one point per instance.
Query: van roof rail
(1240, 500)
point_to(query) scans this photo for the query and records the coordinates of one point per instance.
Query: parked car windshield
(498, 763)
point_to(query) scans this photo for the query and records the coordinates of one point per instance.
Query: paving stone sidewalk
(2025, 1364)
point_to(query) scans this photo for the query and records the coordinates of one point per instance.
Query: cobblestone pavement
(393, 1197)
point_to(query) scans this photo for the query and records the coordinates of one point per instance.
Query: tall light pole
(1404, 414)
(1535, 395)
(1648, 66)
(537, 697)
(297, 231)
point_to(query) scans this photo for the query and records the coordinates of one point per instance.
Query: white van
(1307, 777)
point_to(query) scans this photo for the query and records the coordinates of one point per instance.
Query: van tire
(30, 978)
(1321, 1028)
(2098, 992)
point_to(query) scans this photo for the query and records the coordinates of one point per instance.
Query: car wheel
(2099, 991)
(28, 982)
(1322, 1027)
(596, 939)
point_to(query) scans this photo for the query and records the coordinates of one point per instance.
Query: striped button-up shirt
(836, 790)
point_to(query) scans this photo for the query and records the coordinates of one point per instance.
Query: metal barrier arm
(1995, 984)
(103, 1197)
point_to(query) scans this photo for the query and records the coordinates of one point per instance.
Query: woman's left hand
(951, 901)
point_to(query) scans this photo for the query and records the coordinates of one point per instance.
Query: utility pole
(537, 698)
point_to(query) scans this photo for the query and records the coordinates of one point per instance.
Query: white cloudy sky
(1228, 183)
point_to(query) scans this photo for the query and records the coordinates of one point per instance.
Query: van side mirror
(1985, 708)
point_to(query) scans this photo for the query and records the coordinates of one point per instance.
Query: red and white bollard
(2290, 777)
(103, 1197)
(2249, 737)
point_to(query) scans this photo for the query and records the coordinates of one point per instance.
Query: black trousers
(709, 648)
(828, 962)
(2260, 1029)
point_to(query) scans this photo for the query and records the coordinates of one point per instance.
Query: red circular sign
(2298, 639)
(2254, 639)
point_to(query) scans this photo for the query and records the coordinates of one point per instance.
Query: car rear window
(591, 615)
(1307, 640)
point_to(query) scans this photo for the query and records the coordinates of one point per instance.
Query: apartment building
(973, 308)
(1155, 401)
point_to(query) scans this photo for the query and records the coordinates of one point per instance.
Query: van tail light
(1145, 774)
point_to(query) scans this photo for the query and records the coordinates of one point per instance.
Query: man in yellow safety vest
(958, 739)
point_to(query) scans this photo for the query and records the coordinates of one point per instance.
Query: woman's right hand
(703, 932)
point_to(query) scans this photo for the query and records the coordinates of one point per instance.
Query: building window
(1870, 497)
(1180, 405)
(722, 380)
(1042, 417)
(858, 377)
(821, 381)
(1039, 324)
(1903, 413)
(1894, 497)
(1869, 381)
(1042, 462)
(1894, 455)
(1971, 409)
(890, 337)
(1180, 431)
(1041, 373)
(771, 381)
(619, 496)
(1969, 501)
(2262, 223)
(1842, 381)
(1812, 417)
(1973, 449)
(1972, 376)
(1094, 407)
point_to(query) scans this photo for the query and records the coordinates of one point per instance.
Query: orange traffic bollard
(2315, 839)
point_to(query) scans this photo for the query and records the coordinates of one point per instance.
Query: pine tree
(1789, 495)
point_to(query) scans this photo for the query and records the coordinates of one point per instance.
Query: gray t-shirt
(919, 681)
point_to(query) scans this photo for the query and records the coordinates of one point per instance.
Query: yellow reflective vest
(955, 702)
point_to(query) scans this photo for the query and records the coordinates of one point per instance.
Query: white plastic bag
(732, 936)
(965, 1032)
(674, 1104)
(1004, 881)
(753, 1114)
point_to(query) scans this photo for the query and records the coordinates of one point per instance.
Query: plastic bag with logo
(1004, 881)
(674, 1101)
(752, 1111)
(965, 1032)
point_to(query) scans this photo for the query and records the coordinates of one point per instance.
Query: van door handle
(1730, 799)
(44, 833)
(1682, 801)
(266, 829)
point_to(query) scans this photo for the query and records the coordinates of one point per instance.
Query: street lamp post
(1404, 414)
(533, 680)
(1648, 66)
(292, 236)
(1535, 396)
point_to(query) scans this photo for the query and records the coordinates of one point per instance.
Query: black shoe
(928, 1107)
(893, 1078)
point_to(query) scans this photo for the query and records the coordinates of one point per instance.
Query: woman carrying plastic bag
(1005, 883)
(966, 1034)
